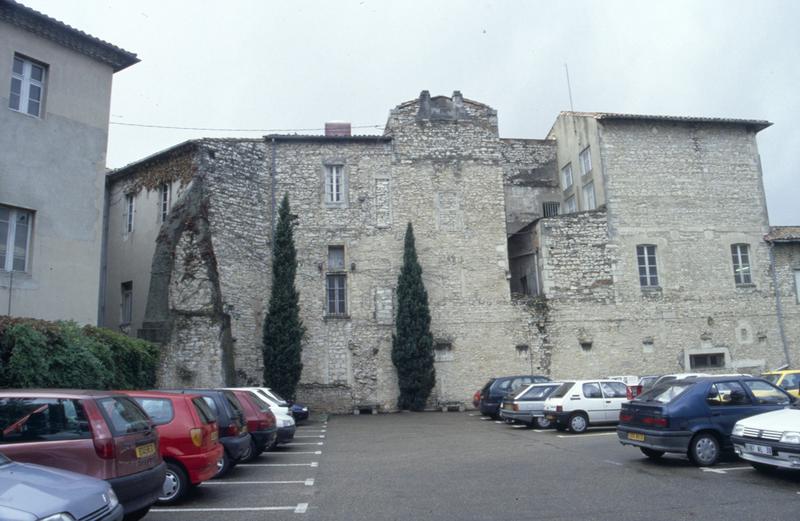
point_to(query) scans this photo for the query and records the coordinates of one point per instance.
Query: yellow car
(788, 380)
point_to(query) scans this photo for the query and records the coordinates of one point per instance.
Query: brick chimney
(337, 129)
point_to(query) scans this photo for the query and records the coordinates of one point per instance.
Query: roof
(40, 24)
(783, 234)
(130, 168)
(318, 138)
(757, 124)
(75, 394)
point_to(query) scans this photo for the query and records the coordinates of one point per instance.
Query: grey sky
(296, 64)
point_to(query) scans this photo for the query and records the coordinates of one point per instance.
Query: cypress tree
(412, 345)
(283, 330)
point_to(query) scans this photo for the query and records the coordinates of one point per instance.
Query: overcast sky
(277, 66)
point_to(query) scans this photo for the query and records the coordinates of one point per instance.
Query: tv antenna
(569, 88)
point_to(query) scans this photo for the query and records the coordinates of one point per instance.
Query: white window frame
(571, 204)
(566, 176)
(11, 238)
(26, 81)
(126, 303)
(334, 184)
(742, 269)
(336, 282)
(651, 269)
(589, 200)
(797, 285)
(586, 161)
(129, 214)
(164, 201)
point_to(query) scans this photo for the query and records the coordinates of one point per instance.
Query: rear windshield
(648, 381)
(123, 415)
(539, 392)
(771, 378)
(158, 409)
(237, 407)
(259, 402)
(205, 412)
(278, 398)
(24, 420)
(666, 392)
(211, 405)
(562, 390)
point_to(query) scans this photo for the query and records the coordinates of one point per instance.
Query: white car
(283, 417)
(769, 440)
(579, 404)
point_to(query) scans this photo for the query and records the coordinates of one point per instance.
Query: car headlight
(738, 430)
(791, 437)
(284, 423)
(63, 516)
(113, 500)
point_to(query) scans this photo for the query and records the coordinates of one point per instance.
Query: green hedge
(38, 353)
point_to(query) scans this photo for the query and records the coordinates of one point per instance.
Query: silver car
(36, 493)
(527, 405)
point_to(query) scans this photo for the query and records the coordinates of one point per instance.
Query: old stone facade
(525, 272)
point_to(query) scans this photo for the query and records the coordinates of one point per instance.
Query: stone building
(55, 97)
(531, 249)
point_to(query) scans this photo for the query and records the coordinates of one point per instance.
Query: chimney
(337, 129)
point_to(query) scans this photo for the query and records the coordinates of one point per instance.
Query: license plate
(635, 436)
(758, 449)
(214, 436)
(144, 451)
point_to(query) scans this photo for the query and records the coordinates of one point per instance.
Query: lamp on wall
(352, 266)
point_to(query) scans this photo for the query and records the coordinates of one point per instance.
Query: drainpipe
(10, 289)
(778, 304)
(273, 182)
(101, 301)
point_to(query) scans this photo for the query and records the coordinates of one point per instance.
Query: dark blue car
(497, 388)
(695, 416)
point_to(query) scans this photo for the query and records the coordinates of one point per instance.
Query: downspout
(101, 300)
(778, 304)
(273, 181)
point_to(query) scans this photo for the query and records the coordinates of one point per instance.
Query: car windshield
(665, 393)
(124, 416)
(771, 378)
(537, 392)
(562, 390)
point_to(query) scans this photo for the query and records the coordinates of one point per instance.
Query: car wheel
(651, 453)
(250, 452)
(762, 467)
(223, 465)
(136, 516)
(561, 428)
(542, 423)
(578, 423)
(704, 450)
(176, 483)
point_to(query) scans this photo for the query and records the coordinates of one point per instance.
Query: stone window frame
(128, 215)
(797, 285)
(567, 169)
(718, 355)
(651, 270)
(12, 225)
(585, 191)
(571, 208)
(742, 265)
(125, 303)
(23, 76)
(336, 273)
(550, 208)
(585, 158)
(388, 179)
(164, 201)
(327, 166)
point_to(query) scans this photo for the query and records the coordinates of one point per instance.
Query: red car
(187, 428)
(260, 423)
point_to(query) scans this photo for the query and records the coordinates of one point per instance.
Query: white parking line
(300, 508)
(312, 430)
(306, 482)
(304, 443)
(520, 426)
(541, 430)
(579, 436)
(312, 464)
(296, 452)
(613, 462)
(723, 470)
(312, 436)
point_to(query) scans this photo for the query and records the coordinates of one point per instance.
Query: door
(593, 402)
(614, 394)
(728, 403)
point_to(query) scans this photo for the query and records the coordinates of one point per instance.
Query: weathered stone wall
(787, 263)
(530, 178)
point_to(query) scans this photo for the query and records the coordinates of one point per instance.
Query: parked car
(786, 379)
(527, 406)
(678, 376)
(497, 388)
(770, 440)
(645, 383)
(476, 399)
(38, 493)
(298, 411)
(103, 434)
(583, 403)
(231, 425)
(261, 423)
(286, 423)
(189, 439)
(626, 379)
(695, 416)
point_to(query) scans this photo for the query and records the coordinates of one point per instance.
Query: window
(158, 409)
(566, 176)
(27, 86)
(550, 209)
(336, 282)
(797, 285)
(123, 415)
(592, 390)
(164, 196)
(727, 393)
(570, 206)
(586, 161)
(25, 420)
(588, 197)
(15, 238)
(791, 381)
(741, 263)
(614, 389)
(765, 393)
(648, 273)
(126, 303)
(334, 183)
(708, 360)
(130, 212)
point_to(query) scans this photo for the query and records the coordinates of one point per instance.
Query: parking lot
(460, 466)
